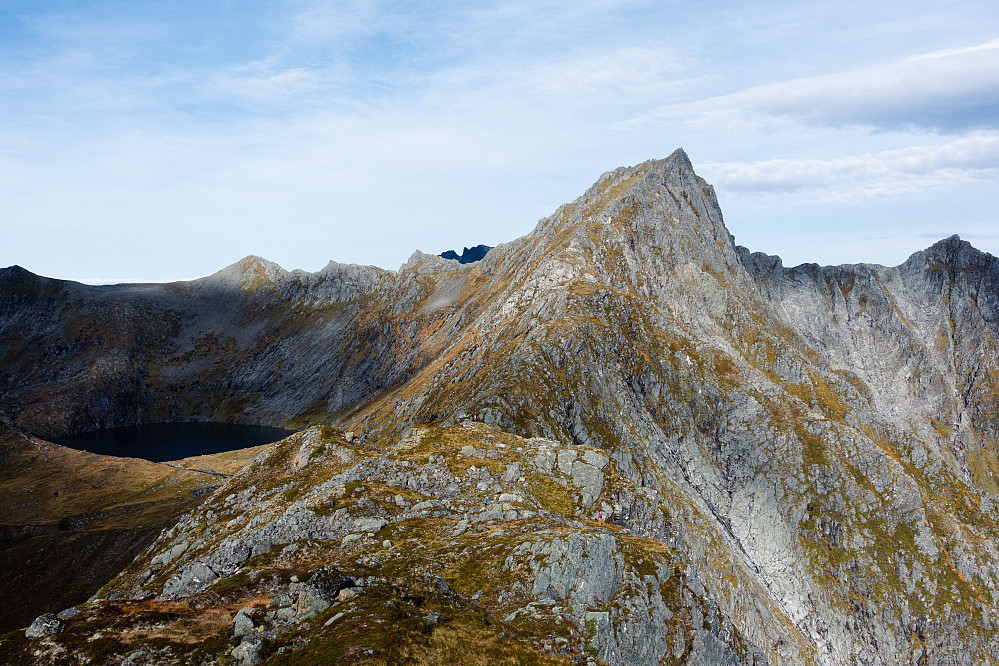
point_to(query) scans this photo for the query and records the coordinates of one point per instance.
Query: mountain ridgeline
(796, 465)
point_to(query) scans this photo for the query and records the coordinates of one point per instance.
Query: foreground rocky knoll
(814, 447)
(322, 550)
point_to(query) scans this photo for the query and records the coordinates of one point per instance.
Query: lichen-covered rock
(242, 623)
(319, 592)
(247, 653)
(45, 625)
(191, 578)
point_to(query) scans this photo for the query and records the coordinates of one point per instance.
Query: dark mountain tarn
(160, 442)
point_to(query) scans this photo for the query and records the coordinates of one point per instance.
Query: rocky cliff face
(799, 461)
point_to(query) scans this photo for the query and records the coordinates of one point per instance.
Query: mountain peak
(250, 273)
(951, 252)
(468, 254)
(18, 279)
(659, 207)
(15, 272)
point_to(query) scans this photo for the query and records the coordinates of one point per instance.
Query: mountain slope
(815, 446)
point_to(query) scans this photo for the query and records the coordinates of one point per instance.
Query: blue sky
(160, 141)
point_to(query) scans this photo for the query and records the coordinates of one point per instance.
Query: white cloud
(950, 89)
(891, 172)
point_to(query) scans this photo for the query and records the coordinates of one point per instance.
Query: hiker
(600, 517)
(485, 501)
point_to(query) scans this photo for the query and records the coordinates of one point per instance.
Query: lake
(171, 441)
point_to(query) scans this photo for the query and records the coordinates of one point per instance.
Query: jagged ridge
(820, 442)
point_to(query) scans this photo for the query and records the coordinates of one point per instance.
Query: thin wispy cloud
(953, 89)
(890, 172)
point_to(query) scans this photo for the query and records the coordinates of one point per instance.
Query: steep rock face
(816, 444)
(630, 321)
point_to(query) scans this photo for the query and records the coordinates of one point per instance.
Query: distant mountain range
(468, 254)
(688, 452)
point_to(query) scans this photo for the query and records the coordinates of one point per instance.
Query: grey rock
(242, 623)
(590, 479)
(191, 579)
(511, 474)
(369, 524)
(45, 625)
(170, 554)
(595, 458)
(325, 583)
(283, 599)
(247, 653)
(582, 570)
(566, 457)
(545, 460)
(139, 657)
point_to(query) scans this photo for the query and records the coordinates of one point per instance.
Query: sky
(163, 141)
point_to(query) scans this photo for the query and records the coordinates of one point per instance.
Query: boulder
(544, 460)
(191, 579)
(320, 592)
(511, 474)
(595, 458)
(369, 524)
(171, 554)
(45, 625)
(247, 653)
(140, 657)
(242, 624)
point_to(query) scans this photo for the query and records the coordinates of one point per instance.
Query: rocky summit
(620, 439)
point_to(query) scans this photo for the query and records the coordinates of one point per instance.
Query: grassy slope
(70, 520)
